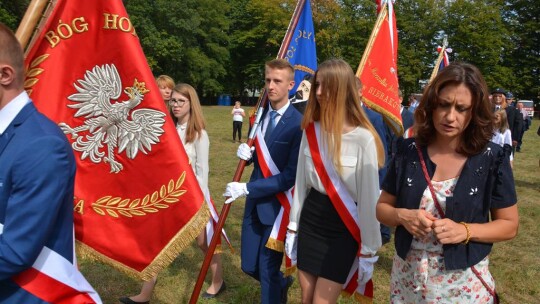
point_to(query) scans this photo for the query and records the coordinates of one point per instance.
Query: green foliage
(186, 40)
(11, 12)
(221, 46)
(523, 58)
(256, 32)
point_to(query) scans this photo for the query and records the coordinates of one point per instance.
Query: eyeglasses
(178, 102)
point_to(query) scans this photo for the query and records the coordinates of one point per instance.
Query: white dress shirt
(278, 117)
(197, 152)
(359, 175)
(12, 109)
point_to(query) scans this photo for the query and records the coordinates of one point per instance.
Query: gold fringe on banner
(167, 255)
(390, 119)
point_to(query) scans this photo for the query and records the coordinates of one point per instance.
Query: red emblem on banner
(137, 201)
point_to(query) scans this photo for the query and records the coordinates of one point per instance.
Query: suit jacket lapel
(280, 126)
(12, 128)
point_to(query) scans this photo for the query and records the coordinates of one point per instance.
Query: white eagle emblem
(114, 124)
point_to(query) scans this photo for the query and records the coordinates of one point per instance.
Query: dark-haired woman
(450, 193)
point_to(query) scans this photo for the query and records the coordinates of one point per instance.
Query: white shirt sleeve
(300, 187)
(201, 167)
(367, 194)
(507, 139)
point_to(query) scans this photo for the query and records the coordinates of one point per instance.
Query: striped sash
(212, 223)
(344, 205)
(54, 279)
(276, 241)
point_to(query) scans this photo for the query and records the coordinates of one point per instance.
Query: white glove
(235, 190)
(290, 245)
(245, 152)
(366, 269)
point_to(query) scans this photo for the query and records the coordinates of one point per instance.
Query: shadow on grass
(527, 184)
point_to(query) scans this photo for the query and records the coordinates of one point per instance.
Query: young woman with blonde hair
(336, 188)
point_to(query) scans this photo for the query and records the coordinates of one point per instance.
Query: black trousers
(237, 127)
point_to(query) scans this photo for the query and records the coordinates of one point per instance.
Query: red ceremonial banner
(137, 202)
(378, 68)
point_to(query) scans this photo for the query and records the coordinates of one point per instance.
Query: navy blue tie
(271, 125)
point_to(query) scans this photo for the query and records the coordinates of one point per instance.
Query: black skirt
(326, 248)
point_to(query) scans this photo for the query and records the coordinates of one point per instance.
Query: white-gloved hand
(290, 245)
(366, 265)
(245, 152)
(235, 190)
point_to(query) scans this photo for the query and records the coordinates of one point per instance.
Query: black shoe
(127, 300)
(207, 295)
(285, 290)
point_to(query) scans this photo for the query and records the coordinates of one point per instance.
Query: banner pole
(438, 61)
(242, 163)
(30, 20)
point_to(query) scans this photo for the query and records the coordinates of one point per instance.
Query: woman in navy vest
(442, 244)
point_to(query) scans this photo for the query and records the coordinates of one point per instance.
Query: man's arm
(283, 181)
(40, 178)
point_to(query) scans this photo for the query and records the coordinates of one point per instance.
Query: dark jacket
(485, 182)
(515, 122)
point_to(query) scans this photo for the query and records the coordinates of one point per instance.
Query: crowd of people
(448, 190)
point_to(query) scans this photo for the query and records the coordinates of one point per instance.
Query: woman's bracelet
(468, 233)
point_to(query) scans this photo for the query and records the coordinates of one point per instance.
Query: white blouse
(360, 176)
(197, 152)
(503, 138)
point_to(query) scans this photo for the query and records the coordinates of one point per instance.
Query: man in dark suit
(282, 136)
(37, 172)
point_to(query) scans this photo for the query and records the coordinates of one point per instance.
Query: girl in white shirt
(502, 134)
(327, 246)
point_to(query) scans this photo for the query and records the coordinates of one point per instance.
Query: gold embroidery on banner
(151, 203)
(79, 207)
(32, 72)
(170, 252)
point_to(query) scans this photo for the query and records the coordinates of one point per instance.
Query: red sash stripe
(336, 200)
(49, 289)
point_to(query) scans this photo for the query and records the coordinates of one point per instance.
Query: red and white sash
(212, 223)
(54, 279)
(409, 133)
(344, 204)
(276, 241)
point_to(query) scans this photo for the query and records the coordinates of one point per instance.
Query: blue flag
(302, 53)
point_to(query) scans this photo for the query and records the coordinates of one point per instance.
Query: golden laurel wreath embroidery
(32, 72)
(115, 206)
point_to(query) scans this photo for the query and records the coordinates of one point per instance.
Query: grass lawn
(514, 264)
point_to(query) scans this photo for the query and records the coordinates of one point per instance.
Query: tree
(186, 40)
(420, 26)
(257, 30)
(11, 12)
(477, 34)
(522, 22)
